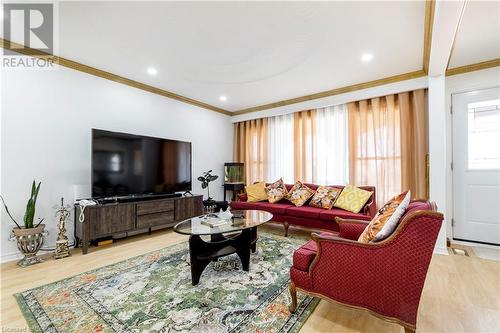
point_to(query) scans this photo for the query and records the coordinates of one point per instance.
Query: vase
(29, 241)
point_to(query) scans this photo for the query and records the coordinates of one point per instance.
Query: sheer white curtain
(310, 146)
(331, 146)
(280, 143)
(325, 151)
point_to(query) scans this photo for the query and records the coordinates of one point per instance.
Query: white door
(476, 166)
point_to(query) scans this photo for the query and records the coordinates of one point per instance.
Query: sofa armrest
(340, 220)
(332, 238)
(370, 207)
(242, 197)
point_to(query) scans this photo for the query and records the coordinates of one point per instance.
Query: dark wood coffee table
(238, 235)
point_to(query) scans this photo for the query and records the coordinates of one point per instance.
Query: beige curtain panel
(388, 143)
(414, 142)
(250, 147)
(304, 152)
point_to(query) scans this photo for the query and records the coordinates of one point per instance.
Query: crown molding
(337, 91)
(21, 49)
(473, 67)
(430, 6)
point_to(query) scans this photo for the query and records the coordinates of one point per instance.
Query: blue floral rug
(153, 293)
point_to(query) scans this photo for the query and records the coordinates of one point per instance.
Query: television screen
(125, 164)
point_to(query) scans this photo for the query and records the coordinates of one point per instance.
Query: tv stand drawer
(151, 220)
(156, 206)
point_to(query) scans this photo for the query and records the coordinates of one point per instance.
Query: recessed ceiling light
(222, 98)
(366, 57)
(152, 71)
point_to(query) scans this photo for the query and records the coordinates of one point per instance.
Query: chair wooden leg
(286, 225)
(409, 330)
(293, 295)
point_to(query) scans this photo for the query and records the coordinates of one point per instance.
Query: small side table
(233, 187)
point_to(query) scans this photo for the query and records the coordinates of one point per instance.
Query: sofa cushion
(256, 192)
(304, 255)
(299, 194)
(352, 199)
(324, 197)
(387, 219)
(313, 224)
(275, 208)
(276, 191)
(307, 212)
(329, 215)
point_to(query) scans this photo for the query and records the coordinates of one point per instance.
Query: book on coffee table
(212, 223)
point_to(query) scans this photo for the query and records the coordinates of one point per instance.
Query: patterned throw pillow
(324, 197)
(299, 194)
(276, 191)
(256, 192)
(386, 220)
(352, 199)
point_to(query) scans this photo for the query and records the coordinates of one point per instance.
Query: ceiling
(259, 53)
(478, 36)
(251, 52)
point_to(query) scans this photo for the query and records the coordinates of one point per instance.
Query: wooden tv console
(118, 218)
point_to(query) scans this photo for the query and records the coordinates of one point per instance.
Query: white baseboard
(6, 257)
(441, 250)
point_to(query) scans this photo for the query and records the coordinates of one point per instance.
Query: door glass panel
(483, 120)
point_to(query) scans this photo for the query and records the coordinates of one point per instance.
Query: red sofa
(385, 278)
(309, 217)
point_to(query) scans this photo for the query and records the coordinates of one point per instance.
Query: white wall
(46, 124)
(483, 79)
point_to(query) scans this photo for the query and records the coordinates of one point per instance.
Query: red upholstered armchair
(384, 278)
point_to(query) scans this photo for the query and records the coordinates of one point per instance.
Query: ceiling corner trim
(473, 67)
(430, 6)
(21, 49)
(333, 92)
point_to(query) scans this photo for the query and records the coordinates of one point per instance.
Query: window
(280, 147)
(483, 135)
(319, 140)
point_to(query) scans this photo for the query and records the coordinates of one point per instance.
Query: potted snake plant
(29, 236)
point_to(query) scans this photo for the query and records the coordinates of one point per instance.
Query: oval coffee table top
(242, 219)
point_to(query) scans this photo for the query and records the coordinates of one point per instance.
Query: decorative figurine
(62, 246)
(205, 179)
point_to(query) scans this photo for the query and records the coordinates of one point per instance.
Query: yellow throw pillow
(324, 197)
(352, 199)
(386, 220)
(276, 191)
(256, 192)
(299, 194)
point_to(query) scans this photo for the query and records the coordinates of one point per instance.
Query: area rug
(153, 293)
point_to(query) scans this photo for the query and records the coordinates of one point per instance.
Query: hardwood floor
(461, 294)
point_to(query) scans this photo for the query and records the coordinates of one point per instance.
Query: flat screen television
(126, 164)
